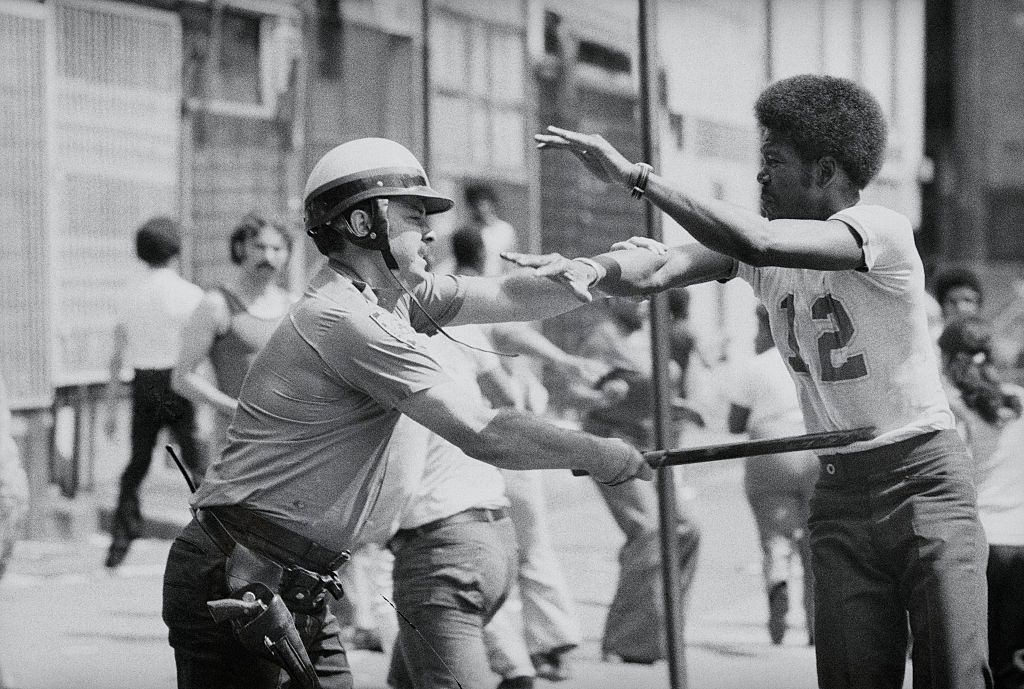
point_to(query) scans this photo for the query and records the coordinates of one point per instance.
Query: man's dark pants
(206, 653)
(894, 531)
(154, 406)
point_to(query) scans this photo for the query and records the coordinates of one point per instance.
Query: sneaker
(778, 606)
(521, 682)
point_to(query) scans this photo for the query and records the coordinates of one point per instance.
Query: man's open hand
(598, 155)
(575, 275)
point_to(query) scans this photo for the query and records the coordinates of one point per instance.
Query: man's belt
(473, 514)
(254, 531)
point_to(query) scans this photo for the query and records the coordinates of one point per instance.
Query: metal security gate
(116, 123)
(25, 204)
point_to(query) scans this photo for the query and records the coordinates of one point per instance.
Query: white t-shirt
(427, 477)
(857, 341)
(763, 385)
(152, 313)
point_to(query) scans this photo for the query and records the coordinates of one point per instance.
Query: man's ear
(360, 223)
(826, 171)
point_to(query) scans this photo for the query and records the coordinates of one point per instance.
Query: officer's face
(408, 226)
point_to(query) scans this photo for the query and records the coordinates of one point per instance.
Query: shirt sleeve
(440, 296)
(374, 351)
(887, 238)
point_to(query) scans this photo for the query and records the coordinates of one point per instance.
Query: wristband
(638, 179)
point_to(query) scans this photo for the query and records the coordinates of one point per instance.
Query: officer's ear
(360, 223)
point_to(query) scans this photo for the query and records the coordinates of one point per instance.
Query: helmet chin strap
(380, 227)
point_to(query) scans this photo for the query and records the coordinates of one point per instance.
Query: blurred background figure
(234, 320)
(13, 491)
(634, 629)
(147, 338)
(989, 418)
(959, 293)
(498, 236)
(763, 404)
(543, 612)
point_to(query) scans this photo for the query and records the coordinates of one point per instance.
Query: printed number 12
(825, 308)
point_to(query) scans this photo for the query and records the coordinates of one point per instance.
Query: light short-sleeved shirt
(428, 478)
(763, 385)
(318, 406)
(154, 309)
(856, 341)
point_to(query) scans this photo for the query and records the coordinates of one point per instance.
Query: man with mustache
(234, 320)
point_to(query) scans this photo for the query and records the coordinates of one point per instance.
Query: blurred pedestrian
(454, 547)
(234, 320)
(959, 293)
(635, 628)
(549, 620)
(989, 418)
(763, 404)
(147, 338)
(13, 491)
(497, 234)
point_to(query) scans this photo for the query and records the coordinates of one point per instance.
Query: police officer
(277, 513)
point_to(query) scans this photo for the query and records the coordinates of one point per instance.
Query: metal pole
(649, 125)
(425, 73)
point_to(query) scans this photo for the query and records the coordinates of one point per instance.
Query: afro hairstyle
(951, 278)
(468, 249)
(823, 116)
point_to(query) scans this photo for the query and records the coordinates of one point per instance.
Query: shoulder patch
(394, 326)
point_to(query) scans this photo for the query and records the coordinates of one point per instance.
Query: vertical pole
(667, 516)
(425, 73)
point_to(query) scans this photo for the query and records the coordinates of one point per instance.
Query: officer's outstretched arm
(511, 439)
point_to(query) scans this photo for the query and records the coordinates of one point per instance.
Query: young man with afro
(894, 525)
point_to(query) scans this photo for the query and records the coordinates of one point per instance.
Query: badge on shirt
(395, 327)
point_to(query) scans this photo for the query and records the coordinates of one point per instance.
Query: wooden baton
(751, 448)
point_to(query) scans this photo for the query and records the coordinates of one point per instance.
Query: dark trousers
(895, 532)
(154, 406)
(1006, 613)
(206, 653)
(448, 583)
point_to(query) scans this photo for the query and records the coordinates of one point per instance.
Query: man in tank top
(234, 320)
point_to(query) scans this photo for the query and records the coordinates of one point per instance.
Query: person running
(894, 525)
(147, 338)
(763, 404)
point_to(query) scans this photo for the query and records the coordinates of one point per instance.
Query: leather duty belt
(231, 524)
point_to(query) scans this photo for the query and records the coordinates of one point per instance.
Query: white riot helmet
(358, 171)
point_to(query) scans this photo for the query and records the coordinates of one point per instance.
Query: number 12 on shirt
(825, 308)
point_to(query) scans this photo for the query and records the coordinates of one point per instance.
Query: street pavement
(65, 621)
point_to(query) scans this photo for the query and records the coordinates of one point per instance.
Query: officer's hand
(651, 245)
(632, 466)
(575, 275)
(600, 157)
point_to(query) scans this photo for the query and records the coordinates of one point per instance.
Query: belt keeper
(638, 179)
